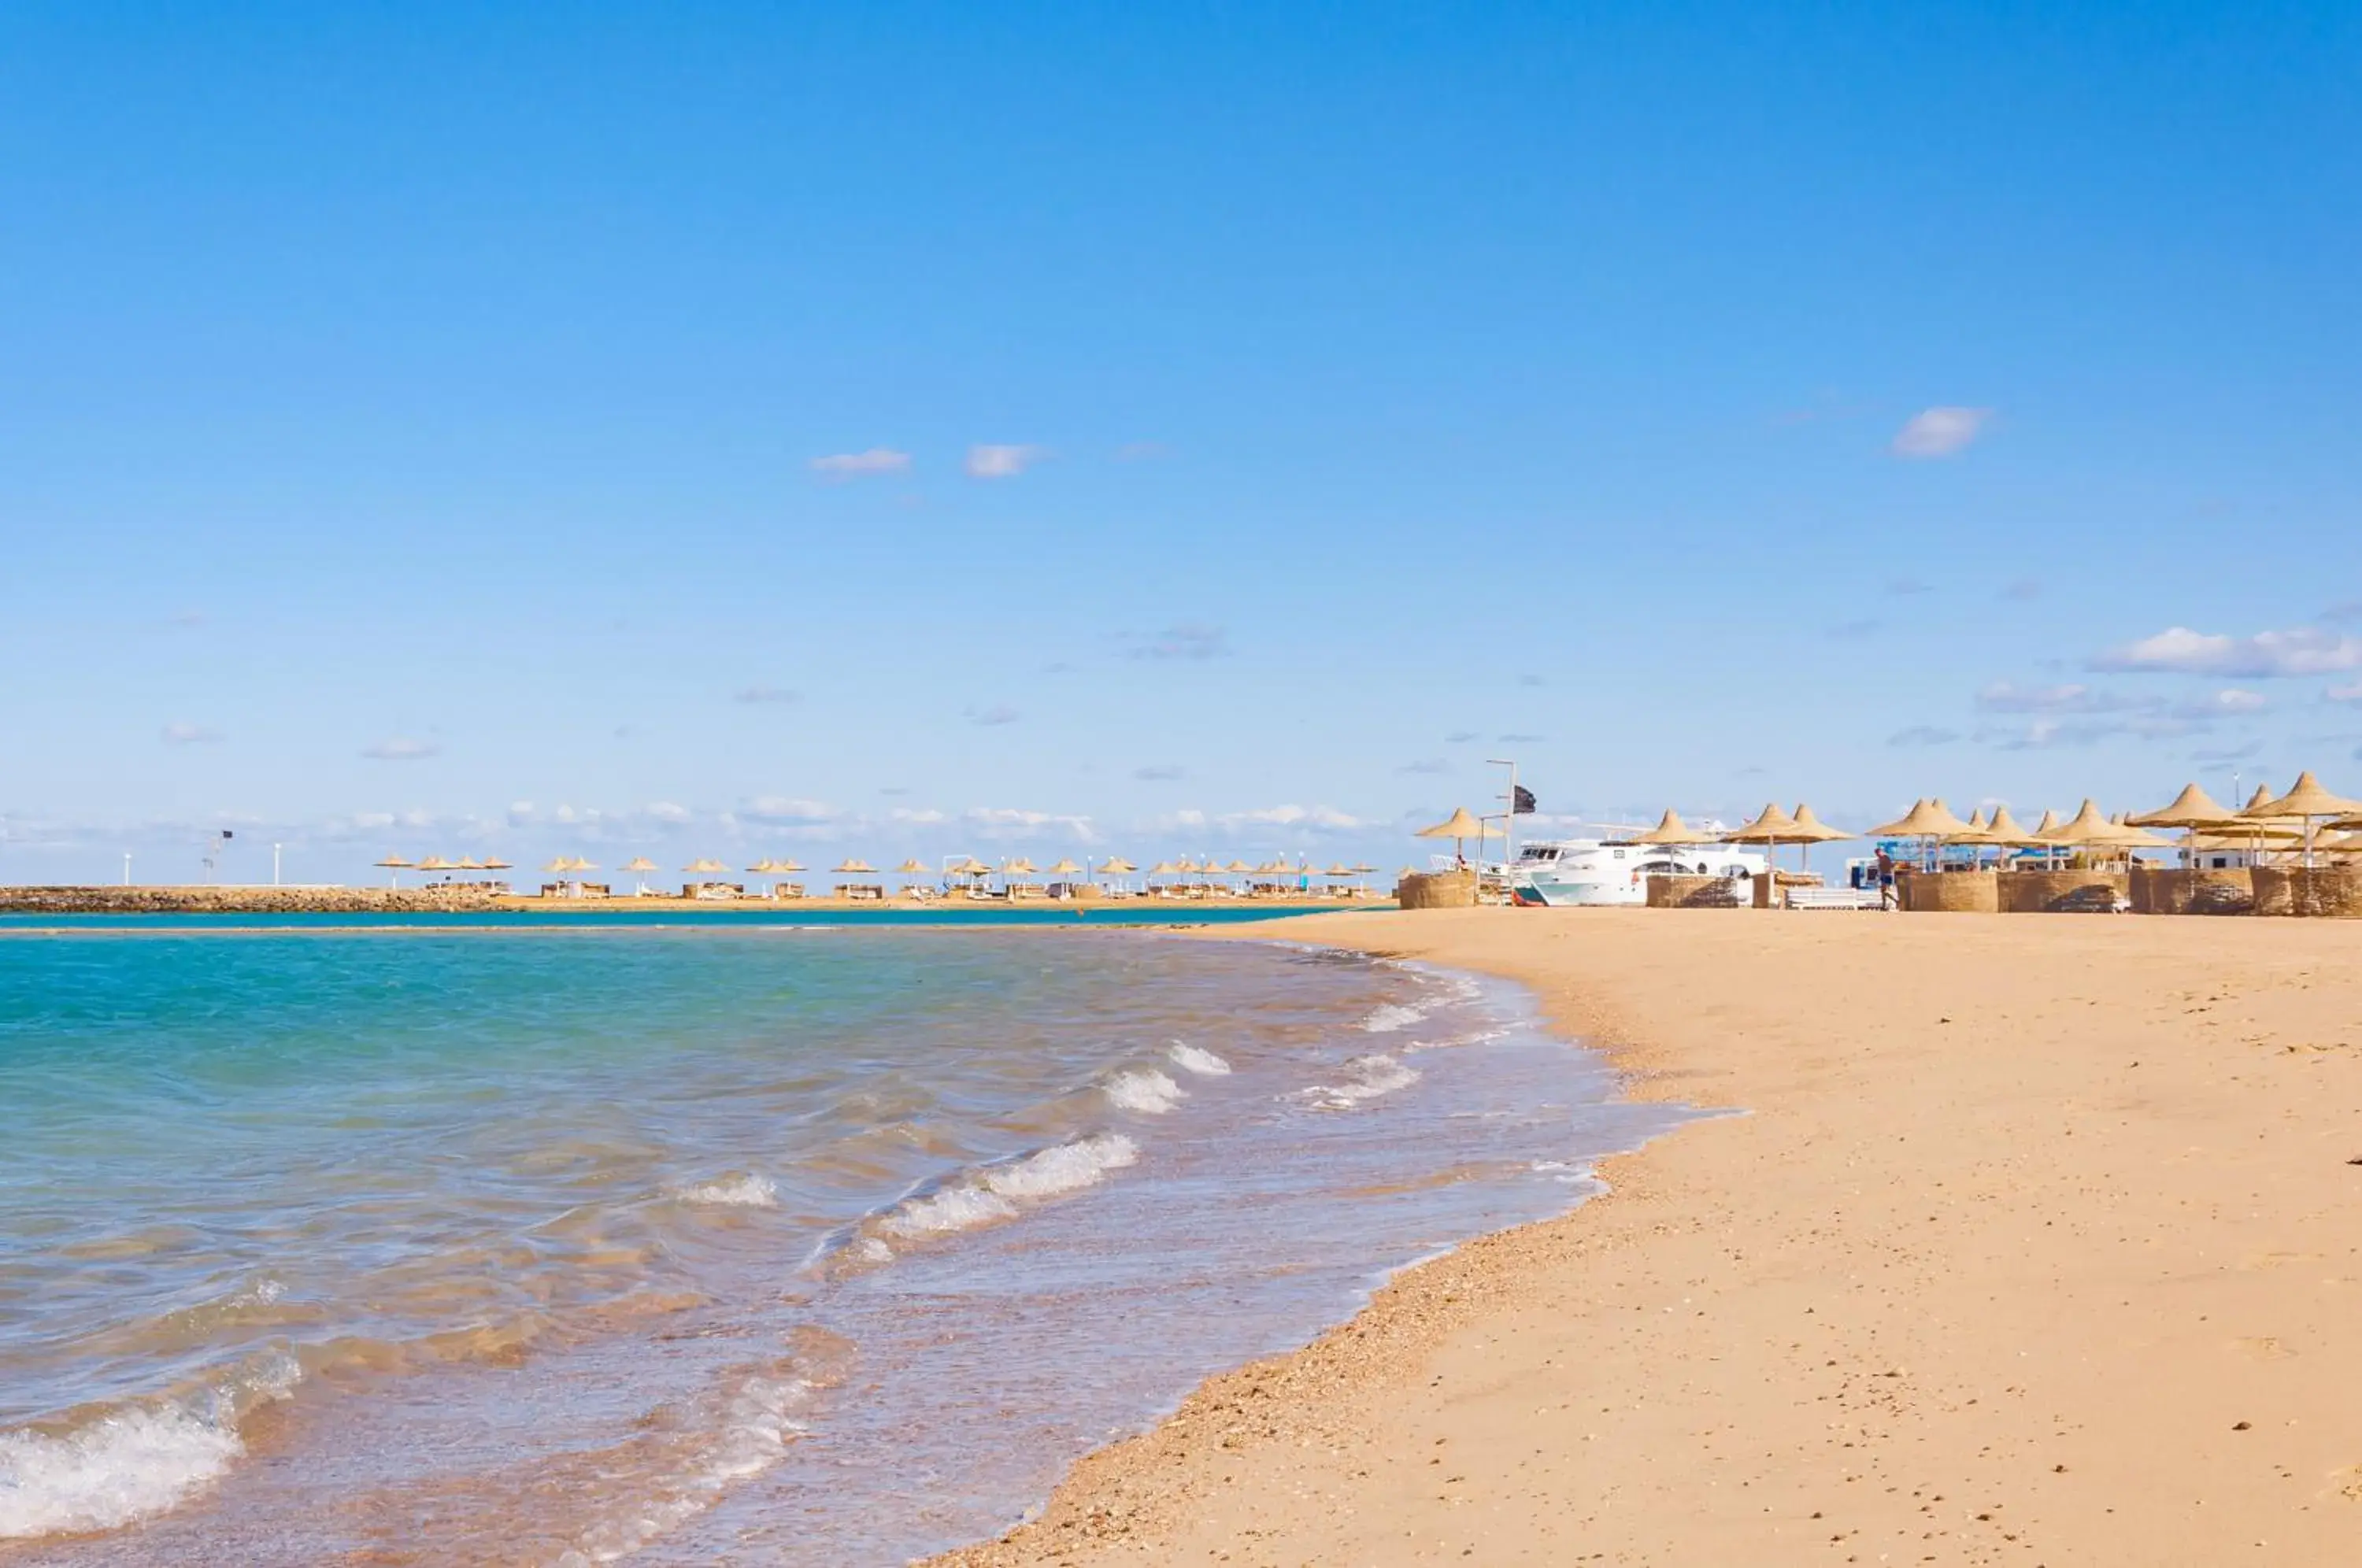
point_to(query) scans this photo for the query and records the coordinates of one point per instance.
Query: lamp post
(126, 868)
(1508, 819)
(274, 864)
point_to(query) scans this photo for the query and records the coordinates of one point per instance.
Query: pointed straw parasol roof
(855, 869)
(1771, 825)
(703, 866)
(2307, 800)
(637, 865)
(1021, 866)
(2007, 831)
(2089, 828)
(1671, 829)
(1118, 866)
(1925, 819)
(1810, 828)
(435, 863)
(563, 863)
(914, 866)
(394, 863)
(466, 863)
(1241, 868)
(2193, 808)
(767, 866)
(1065, 869)
(1459, 825)
(1341, 870)
(495, 863)
(1163, 868)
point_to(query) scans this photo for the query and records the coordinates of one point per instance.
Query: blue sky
(418, 424)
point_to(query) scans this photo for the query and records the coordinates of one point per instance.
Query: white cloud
(1002, 462)
(1940, 432)
(1141, 451)
(2300, 650)
(1923, 734)
(2348, 693)
(402, 748)
(998, 714)
(917, 816)
(1323, 818)
(191, 734)
(766, 694)
(666, 812)
(1160, 773)
(842, 465)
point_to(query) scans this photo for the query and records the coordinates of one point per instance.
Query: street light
(274, 864)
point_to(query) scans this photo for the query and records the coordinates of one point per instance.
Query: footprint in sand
(2264, 1348)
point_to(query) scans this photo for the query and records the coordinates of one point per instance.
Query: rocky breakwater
(244, 900)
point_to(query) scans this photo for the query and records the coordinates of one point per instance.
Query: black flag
(1522, 800)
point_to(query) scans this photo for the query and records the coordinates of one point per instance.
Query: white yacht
(1558, 872)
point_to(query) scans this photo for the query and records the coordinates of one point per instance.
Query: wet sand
(2040, 1242)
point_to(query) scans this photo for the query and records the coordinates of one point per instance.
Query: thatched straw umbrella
(1772, 828)
(1671, 829)
(435, 863)
(1810, 831)
(1459, 827)
(2307, 802)
(2088, 829)
(1928, 821)
(2189, 811)
(393, 865)
(639, 865)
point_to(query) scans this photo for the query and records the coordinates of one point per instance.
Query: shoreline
(2041, 1244)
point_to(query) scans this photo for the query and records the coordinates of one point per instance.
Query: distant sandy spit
(2041, 1244)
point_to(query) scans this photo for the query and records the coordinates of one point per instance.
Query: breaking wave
(742, 1189)
(1143, 1090)
(1366, 1078)
(1388, 1018)
(133, 1462)
(1195, 1059)
(993, 1193)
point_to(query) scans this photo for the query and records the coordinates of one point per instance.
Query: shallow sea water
(800, 1247)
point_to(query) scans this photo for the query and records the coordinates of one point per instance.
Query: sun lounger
(1833, 898)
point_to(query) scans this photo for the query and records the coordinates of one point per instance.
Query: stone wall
(244, 900)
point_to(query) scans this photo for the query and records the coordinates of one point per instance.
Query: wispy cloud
(1940, 432)
(840, 467)
(2229, 704)
(2351, 692)
(2023, 587)
(1141, 451)
(1185, 640)
(2246, 752)
(1923, 734)
(2300, 650)
(1008, 821)
(1852, 630)
(1426, 764)
(777, 695)
(191, 734)
(1460, 738)
(998, 714)
(2005, 696)
(1904, 587)
(788, 811)
(1160, 773)
(1002, 462)
(402, 748)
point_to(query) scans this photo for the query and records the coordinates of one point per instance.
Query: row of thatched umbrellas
(2264, 821)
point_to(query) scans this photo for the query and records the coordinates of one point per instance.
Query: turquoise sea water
(825, 1245)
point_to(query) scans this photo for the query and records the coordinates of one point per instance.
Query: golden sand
(2041, 1244)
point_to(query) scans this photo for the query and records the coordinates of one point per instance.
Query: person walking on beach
(1886, 879)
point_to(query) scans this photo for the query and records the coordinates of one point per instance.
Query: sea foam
(740, 1189)
(1195, 1059)
(1366, 1078)
(1143, 1090)
(992, 1193)
(132, 1462)
(1388, 1018)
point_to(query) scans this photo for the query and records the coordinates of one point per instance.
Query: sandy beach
(2040, 1242)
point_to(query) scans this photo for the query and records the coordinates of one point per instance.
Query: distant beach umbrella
(435, 863)
(2088, 829)
(855, 869)
(1021, 866)
(558, 864)
(914, 867)
(1118, 866)
(1925, 819)
(706, 866)
(1065, 869)
(495, 863)
(466, 863)
(393, 865)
